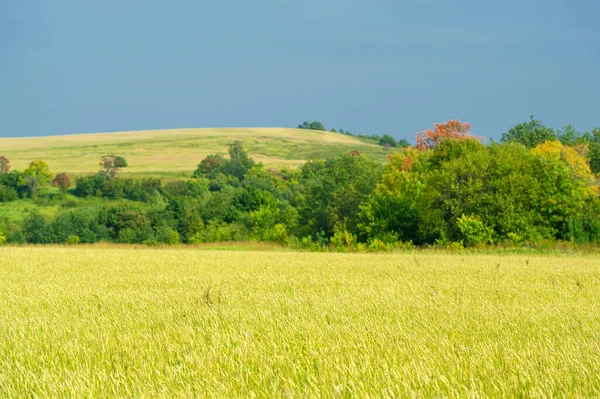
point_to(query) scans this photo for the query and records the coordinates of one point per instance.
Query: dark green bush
(8, 194)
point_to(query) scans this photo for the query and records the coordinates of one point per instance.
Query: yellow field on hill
(116, 322)
(178, 151)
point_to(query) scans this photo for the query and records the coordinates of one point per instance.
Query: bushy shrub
(2, 238)
(70, 203)
(115, 188)
(127, 236)
(301, 243)
(278, 234)
(198, 188)
(121, 162)
(150, 186)
(216, 231)
(36, 229)
(177, 188)
(342, 240)
(263, 220)
(61, 228)
(117, 218)
(14, 234)
(197, 238)
(515, 238)
(73, 240)
(454, 246)
(586, 226)
(307, 242)
(90, 186)
(8, 194)
(376, 245)
(87, 236)
(127, 188)
(101, 232)
(145, 233)
(474, 231)
(166, 235)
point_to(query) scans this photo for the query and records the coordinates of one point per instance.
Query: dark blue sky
(371, 66)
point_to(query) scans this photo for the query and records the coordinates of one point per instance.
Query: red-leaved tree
(62, 181)
(451, 130)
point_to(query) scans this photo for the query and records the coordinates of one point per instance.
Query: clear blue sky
(371, 66)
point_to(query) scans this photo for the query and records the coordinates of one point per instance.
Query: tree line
(450, 189)
(387, 140)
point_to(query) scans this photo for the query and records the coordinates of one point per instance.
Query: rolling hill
(177, 152)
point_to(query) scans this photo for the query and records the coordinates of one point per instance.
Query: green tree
(331, 192)
(37, 175)
(389, 140)
(36, 229)
(316, 125)
(262, 220)
(388, 218)
(512, 190)
(391, 212)
(402, 143)
(121, 162)
(166, 235)
(209, 167)
(110, 166)
(530, 133)
(496, 183)
(568, 135)
(125, 218)
(12, 185)
(566, 183)
(592, 139)
(455, 185)
(239, 163)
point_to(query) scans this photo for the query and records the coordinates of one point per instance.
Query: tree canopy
(530, 133)
(37, 175)
(316, 125)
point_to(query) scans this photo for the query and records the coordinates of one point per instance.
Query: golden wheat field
(118, 322)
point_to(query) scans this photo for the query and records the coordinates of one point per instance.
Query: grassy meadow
(177, 152)
(100, 322)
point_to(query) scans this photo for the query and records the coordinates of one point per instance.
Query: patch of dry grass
(179, 150)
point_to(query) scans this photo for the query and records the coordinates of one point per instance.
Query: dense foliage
(450, 189)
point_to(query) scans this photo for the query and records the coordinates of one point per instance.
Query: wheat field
(177, 152)
(118, 322)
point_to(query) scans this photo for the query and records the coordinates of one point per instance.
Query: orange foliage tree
(451, 130)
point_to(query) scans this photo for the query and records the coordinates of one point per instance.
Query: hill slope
(177, 152)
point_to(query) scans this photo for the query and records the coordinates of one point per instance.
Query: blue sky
(370, 66)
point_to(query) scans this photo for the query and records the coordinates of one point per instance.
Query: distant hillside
(177, 152)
